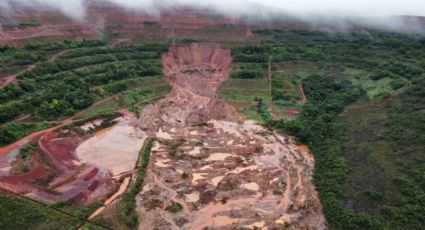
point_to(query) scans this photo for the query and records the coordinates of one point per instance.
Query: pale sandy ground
(116, 149)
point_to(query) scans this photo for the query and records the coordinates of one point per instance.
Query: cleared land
(202, 169)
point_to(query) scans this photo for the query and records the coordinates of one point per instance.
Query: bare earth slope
(223, 171)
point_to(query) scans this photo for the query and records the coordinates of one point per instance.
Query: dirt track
(223, 171)
(12, 78)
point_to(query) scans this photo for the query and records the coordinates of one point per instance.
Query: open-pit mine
(212, 169)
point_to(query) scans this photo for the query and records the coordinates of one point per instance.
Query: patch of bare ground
(209, 167)
(67, 165)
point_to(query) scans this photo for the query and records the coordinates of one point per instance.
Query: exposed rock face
(195, 74)
(223, 171)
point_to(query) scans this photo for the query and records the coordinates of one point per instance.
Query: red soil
(60, 150)
(304, 99)
(22, 182)
(33, 136)
(91, 174)
(71, 181)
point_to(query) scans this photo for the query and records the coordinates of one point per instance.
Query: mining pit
(212, 169)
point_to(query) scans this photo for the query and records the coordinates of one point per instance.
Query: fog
(374, 13)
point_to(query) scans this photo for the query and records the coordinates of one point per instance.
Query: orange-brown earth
(224, 171)
(56, 174)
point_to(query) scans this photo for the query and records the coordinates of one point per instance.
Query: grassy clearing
(110, 105)
(245, 89)
(252, 113)
(293, 68)
(374, 89)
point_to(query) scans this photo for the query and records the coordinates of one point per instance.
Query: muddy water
(227, 172)
(115, 149)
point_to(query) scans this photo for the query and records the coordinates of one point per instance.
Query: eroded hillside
(210, 168)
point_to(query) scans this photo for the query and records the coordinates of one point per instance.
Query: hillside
(195, 119)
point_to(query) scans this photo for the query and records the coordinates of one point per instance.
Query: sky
(308, 10)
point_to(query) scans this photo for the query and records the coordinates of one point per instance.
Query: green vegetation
(28, 149)
(134, 94)
(369, 162)
(77, 79)
(376, 181)
(363, 119)
(127, 214)
(245, 89)
(12, 57)
(286, 89)
(380, 63)
(12, 131)
(384, 146)
(316, 127)
(22, 163)
(150, 23)
(108, 120)
(24, 214)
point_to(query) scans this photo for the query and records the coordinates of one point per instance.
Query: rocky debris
(225, 172)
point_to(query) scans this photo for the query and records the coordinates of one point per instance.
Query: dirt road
(35, 135)
(12, 78)
(304, 97)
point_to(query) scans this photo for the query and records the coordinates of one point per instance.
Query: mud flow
(210, 168)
